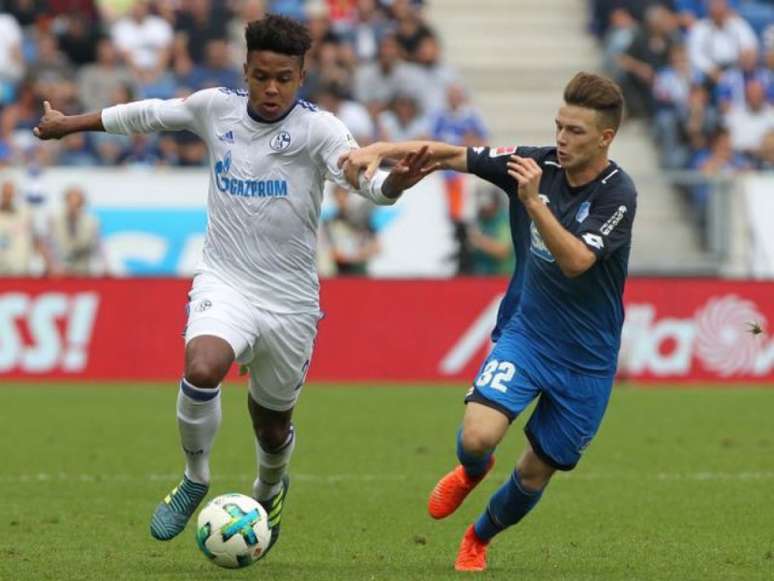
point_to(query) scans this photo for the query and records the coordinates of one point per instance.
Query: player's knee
(477, 440)
(204, 374)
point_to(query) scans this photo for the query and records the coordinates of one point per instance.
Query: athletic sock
(475, 465)
(272, 466)
(198, 420)
(508, 506)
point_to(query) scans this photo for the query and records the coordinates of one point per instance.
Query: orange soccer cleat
(452, 489)
(472, 553)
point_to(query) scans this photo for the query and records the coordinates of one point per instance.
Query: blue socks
(475, 466)
(508, 505)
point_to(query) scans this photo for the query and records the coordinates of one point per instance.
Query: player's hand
(366, 159)
(527, 173)
(411, 169)
(52, 125)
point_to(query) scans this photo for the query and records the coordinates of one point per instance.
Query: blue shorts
(570, 408)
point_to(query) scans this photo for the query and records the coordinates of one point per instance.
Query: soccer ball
(233, 530)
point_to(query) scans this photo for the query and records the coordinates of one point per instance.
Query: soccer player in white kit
(254, 298)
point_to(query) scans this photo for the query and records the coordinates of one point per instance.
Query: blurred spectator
(111, 148)
(333, 97)
(98, 82)
(718, 160)
(78, 38)
(403, 120)
(350, 235)
(11, 61)
(602, 12)
(619, 37)
(216, 71)
(143, 39)
(74, 236)
(459, 124)
(715, 42)
(490, 235)
(377, 83)
(435, 76)
(764, 157)
(198, 23)
(411, 30)
(730, 90)
(26, 12)
(368, 30)
(672, 92)
(749, 123)
(246, 11)
(75, 150)
(16, 233)
(51, 66)
(648, 52)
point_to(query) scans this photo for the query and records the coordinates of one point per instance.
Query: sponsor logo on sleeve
(613, 221)
(500, 151)
(583, 211)
(594, 240)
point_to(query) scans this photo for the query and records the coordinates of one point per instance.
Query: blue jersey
(574, 322)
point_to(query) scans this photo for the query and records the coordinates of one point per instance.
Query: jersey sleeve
(609, 225)
(491, 164)
(147, 116)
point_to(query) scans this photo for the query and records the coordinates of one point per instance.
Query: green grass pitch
(679, 484)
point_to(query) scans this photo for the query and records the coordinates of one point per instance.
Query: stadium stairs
(516, 56)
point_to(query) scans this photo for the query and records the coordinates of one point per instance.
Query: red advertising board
(376, 330)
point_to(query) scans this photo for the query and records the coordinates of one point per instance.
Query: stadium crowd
(701, 71)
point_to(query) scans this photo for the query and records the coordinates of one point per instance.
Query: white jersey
(266, 187)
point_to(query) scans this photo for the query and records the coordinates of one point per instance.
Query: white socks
(272, 467)
(198, 419)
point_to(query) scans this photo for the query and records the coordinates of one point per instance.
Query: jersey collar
(258, 119)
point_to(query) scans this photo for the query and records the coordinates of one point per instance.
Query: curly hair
(278, 34)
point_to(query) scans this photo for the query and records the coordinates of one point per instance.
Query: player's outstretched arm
(55, 125)
(368, 159)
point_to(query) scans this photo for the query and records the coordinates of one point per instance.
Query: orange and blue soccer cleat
(472, 553)
(452, 489)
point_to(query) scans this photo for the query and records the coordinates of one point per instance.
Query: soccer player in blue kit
(559, 326)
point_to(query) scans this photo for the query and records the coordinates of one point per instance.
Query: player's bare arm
(412, 168)
(369, 158)
(572, 255)
(56, 125)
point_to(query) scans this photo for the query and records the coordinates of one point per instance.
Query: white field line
(336, 478)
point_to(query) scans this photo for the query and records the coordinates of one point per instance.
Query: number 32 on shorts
(496, 374)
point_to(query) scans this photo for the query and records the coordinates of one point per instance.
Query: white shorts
(275, 347)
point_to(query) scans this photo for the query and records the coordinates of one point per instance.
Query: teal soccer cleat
(274, 507)
(172, 513)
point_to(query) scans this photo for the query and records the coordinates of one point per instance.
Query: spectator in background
(403, 120)
(368, 30)
(619, 37)
(216, 71)
(411, 29)
(75, 150)
(749, 123)
(490, 234)
(333, 97)
(672, 93)
(198, 23)
(51, 66)
(718, 160)
(78, 38)
(144, 40)
(459, 124)
(17, 240)
(350, 234)
(74, 236)
(98, 82)
(730, 90)
(435, 77)
(764, 157)
(648, 52)
(11, 60)
(715, 42)
(377, 83)
(246, 11)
